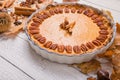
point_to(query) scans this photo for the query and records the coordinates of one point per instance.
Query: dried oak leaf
(88, 67)
(115, 76)
(108, 13)
(116, 59)
(118, 27)
(91, 78)
(70, 0)
(108, 54)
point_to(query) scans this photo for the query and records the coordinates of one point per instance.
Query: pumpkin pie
(70, 29)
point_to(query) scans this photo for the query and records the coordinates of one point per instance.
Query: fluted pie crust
(70, 29)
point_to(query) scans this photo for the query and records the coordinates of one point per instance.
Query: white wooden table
(18, 61)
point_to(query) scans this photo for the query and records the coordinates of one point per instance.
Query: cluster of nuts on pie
(67, 26)
(97, 18)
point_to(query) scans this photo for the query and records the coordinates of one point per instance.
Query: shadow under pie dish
(70, 32)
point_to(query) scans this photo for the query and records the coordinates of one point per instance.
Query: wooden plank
(9, 72)
(110, 4)
(115, 14)
(22, 55)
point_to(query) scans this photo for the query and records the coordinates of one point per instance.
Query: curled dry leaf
(13, 32)
(118, 27)
(116, 67)
(91, 78)
(88, 67)
(70, 0)
(116, 59)
(108, 54)
(115, 76)
(108, 13)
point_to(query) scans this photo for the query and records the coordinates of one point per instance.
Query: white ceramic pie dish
(66, 58)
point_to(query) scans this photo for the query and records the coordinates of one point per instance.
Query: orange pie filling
(66, 29)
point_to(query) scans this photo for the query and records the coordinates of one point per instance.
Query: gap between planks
(17, 67)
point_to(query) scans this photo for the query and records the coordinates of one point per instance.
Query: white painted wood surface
(18, 61)
(8, 72)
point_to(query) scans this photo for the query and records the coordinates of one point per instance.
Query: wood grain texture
(32, 66)
(21, 54)
(8, 72)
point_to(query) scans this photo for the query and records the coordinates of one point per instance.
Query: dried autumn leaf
(115, 76)
(118, 27)
(108, 54)
(70, 0)
(88, 67)
(91, 78)
(13, 32)
(108, 13)
(116, 59)
(117, 41)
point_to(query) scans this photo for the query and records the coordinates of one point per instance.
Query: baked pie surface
(70, 29)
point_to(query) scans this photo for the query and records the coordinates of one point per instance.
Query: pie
(70, 29)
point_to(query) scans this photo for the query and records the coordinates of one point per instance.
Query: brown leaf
(108, 54)
(108, 13)
(115, 76)
(13, 31)
(116, 59)
(88, 67)
(118, 27)
(91, 78)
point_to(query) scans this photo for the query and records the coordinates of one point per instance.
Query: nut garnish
(101, 38)
(104, 32)
(36, 20)
(34, 24)
(88, 12)
(67, 26)
(100, 23)
(56, 10)
(48, 44)
(90, 45)
(68, 49)
(96, 42)
(42, 40)
(61, 48)
(94, 17)
(73, 10)
(98, 19)
(66, 10)
(80, 10)
(53, 46)
(40, 16)
(102, 27)
(33, 28)
(60, 10)
(77, 49)
(37, 36)
(83, 48)
(34, 31)
(51, 12)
